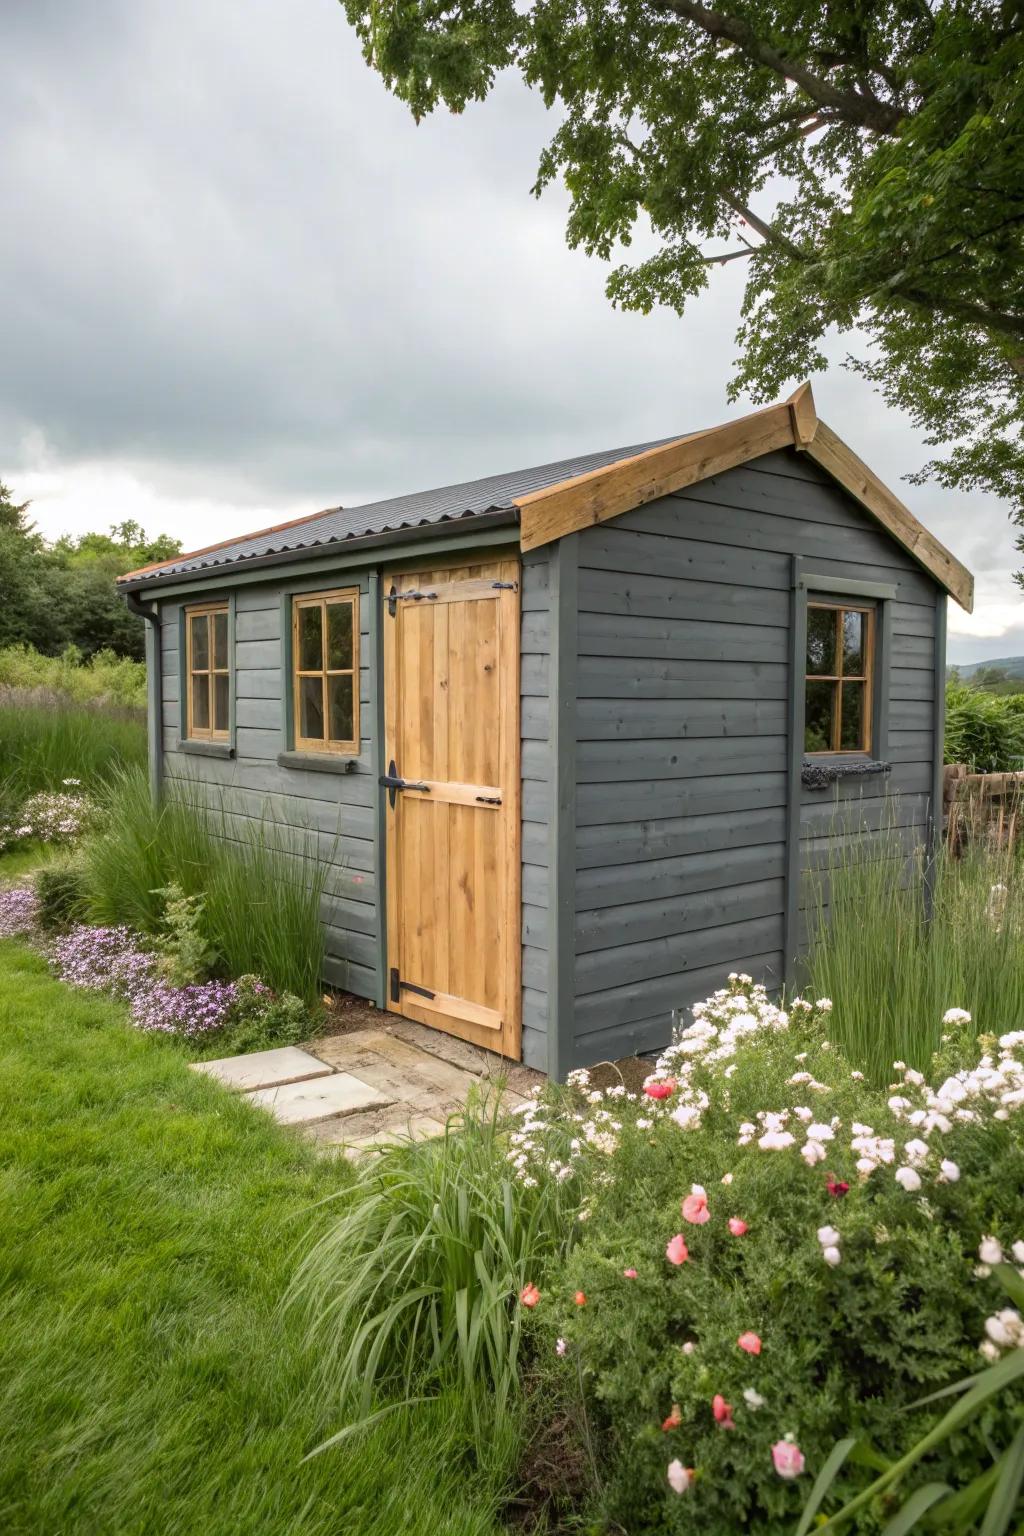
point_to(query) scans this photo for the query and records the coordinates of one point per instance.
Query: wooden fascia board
(602, 494)
(839, 461)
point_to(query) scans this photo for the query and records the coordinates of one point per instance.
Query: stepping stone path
(369, 1087)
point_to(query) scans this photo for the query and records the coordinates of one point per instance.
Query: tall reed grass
(39, 747)
(890, 971)
(413, 1289)
(261, 886)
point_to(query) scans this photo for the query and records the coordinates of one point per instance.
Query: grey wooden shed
(569, 736)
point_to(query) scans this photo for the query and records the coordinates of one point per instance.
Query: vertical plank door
(451, 708)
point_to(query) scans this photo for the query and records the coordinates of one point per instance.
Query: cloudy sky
(238, 283)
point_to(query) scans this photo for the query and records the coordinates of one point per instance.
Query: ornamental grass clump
(260, 887)
(893, 947)
(414, 1287)
(771, 1255)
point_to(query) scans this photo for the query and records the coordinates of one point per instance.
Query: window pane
(821, 640)
(339, 635)
(311, 708)
(853, 644)
(200, 642)
(852, 725)
(201, 701)
(220, 701)
(311, 656)
(220, 640)
(819, 709)
(339, 695)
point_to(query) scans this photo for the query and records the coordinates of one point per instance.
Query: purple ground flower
(104, 959)
(19, 910)
(193, 1011)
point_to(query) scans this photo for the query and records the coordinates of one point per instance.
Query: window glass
(220, 640)
(311, 657)
(340, 701)
(851, 735)
(818, 717)
(325, 681)
(853, 644)
(821, 641)
(201, 701)
(339, 636)
(837, 686)
(200, 642)
(221, 701)
(311, 708)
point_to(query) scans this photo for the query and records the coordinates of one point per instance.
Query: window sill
(206, 748)
(818, 772)
(318, 762)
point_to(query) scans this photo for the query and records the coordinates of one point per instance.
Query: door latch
(393, 783)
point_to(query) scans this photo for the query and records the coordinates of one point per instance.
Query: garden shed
(570, 736)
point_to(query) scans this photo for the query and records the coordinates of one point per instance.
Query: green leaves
(882, 148)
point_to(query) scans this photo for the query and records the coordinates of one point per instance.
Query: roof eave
(226, 570)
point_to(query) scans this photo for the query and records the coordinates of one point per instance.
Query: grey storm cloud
(231, 261)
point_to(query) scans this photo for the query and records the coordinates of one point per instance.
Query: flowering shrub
(19, 911)
(50, 817)
(773, 1255)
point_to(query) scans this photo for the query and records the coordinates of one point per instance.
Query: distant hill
(1013, 666)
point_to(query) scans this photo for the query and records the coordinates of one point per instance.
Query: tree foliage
(882, 140)
(61, 594)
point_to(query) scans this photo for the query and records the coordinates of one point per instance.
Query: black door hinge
(398, 986)
(395, 597)
(505, 586)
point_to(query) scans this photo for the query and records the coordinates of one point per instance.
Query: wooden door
(451, 706)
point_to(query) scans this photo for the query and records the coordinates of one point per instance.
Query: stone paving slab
(409, 1128)
(264, 1069)
(339, 1093)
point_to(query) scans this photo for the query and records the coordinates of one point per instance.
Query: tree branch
(766, 231)
(963, 309)
(860, 107)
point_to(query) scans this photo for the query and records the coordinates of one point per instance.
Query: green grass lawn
(148, 1381)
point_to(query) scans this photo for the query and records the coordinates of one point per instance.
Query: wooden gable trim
(863, 484)
(606, 493)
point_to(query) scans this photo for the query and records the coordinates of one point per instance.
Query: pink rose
(529, 1295)
(630, 1274)
(663, 1090)
(695, 1210)
(737, 1227)
(788, 1458)
(722, 1411)
(677, 1251)
(750, 1343)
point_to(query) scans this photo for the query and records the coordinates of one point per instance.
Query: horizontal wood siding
(682, 737)
(535, 658)
(335, 812)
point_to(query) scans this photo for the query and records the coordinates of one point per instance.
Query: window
(837, 691)
(325, 672)
(209, 673)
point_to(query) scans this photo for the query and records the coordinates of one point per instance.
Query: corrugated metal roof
(471, 498)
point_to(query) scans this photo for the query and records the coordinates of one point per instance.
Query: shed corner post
(564, 609)
(150, 613)
(794, 787)
(376, 768)
(935, 827)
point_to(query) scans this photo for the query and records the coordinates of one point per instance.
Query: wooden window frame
(209, 673)
(868, 611)
(322, 600)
